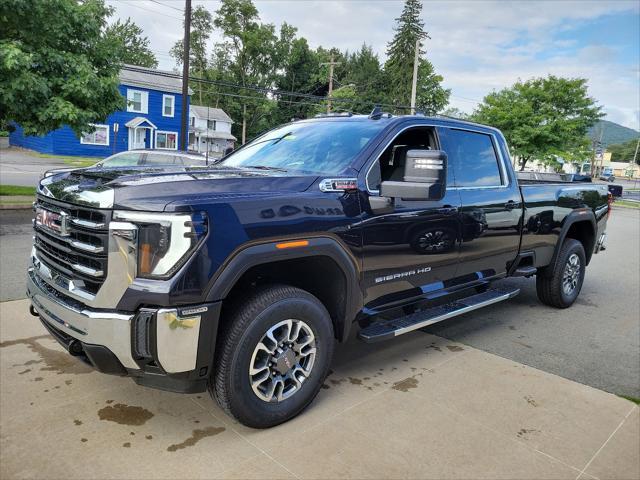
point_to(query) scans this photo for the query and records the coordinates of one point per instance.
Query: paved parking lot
(419, 407)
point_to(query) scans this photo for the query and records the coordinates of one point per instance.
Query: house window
(211, 124)
(167, 140)
(192, 121)
(168, 105)
(100, 136)
(137, 101)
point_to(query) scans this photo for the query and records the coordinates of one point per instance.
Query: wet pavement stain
(325, 386)
(337, 382)
(83, 440)
(406, 384)
(55, 360)
(132, 433)
(511, 327)
(24, 371)
(522, 343)
(524, 432)
(125, 414)
(455, 348)
(68, 382)
(38, 379)
(531, 401)
(77, 422)
(434, 347)
(148, 437)
(195, 437)
(109, 401)
(126, 444)
(355, 381)
(26, 364)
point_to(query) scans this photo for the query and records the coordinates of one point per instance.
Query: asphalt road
(595, 342)
(22, 168)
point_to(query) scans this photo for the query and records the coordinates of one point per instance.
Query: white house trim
(169, 133)
(84, 142)
(173, 105)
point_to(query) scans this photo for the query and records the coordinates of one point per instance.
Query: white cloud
(477, 46)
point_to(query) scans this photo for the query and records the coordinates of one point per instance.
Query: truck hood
(156, 189)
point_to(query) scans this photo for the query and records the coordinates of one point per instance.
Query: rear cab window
(472, 158)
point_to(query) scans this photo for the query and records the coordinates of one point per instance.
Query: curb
(15, 206)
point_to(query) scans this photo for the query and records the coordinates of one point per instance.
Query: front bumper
(170, 349)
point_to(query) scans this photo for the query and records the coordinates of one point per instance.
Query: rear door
(491, 205)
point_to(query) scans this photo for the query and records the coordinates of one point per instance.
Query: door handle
(510, 205)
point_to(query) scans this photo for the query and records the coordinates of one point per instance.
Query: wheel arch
(579, 225)
(324, 267)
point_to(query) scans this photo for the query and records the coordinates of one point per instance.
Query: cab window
(473, 159)
(390, 164)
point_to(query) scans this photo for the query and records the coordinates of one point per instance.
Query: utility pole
(414, 83)
(184, 117)
(331, 65)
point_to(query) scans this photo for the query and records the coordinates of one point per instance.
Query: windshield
(315, 147)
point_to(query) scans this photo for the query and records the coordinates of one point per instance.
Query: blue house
(150, 120)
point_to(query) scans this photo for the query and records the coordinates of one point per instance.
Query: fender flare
(265, 251)
(578, 216)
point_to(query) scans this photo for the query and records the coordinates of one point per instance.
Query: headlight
(165, 240)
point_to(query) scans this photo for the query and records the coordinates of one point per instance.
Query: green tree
(364, 71)
(134, 46)
(56, 65)
(431, 97)
(541, 116)
(201, 28)
(624, 152)
(249, 52)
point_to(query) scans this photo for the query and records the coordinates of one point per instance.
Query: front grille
(81, 253)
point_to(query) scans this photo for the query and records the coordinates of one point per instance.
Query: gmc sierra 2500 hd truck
(240, 277)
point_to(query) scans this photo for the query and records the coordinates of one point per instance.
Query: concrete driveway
(418, 407)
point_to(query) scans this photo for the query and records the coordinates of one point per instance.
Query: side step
(524, 271)
(386, 329)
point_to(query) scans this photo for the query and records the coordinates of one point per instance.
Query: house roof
(210, 113)
(137, 121)
(161, 80)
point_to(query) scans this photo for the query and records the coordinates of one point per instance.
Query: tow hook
(75, 348)
(33, 311)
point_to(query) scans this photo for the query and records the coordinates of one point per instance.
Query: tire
(552, 283)
(237, 350)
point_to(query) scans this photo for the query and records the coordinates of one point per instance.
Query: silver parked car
(145, 158)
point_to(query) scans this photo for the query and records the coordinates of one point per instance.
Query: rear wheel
(559, 285)
(273, 356)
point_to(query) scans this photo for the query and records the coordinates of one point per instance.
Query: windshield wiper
(266, 167)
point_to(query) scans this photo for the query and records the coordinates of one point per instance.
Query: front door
(139, 138)
(412, 250)
(491, 204)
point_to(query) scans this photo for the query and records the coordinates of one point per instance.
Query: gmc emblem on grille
(54, 221)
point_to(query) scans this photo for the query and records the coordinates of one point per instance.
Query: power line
(133, 4)
(167, 6)
(272, 91)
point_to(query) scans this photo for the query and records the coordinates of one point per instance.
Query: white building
(210, 129)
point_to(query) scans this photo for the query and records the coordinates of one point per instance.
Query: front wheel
(273, 356)
(559, 285)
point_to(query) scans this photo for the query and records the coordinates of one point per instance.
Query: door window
(472, 157)
(390, 164)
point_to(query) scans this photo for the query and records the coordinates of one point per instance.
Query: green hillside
(612, 133)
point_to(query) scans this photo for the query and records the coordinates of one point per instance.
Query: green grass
(73, 161)
(631, 399)
(626, 204)
(14, 190)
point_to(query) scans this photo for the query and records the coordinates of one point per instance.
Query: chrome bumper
(111, 330)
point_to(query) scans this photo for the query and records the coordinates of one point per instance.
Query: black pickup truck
(240, 277)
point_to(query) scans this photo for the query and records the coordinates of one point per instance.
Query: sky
(477, 46)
